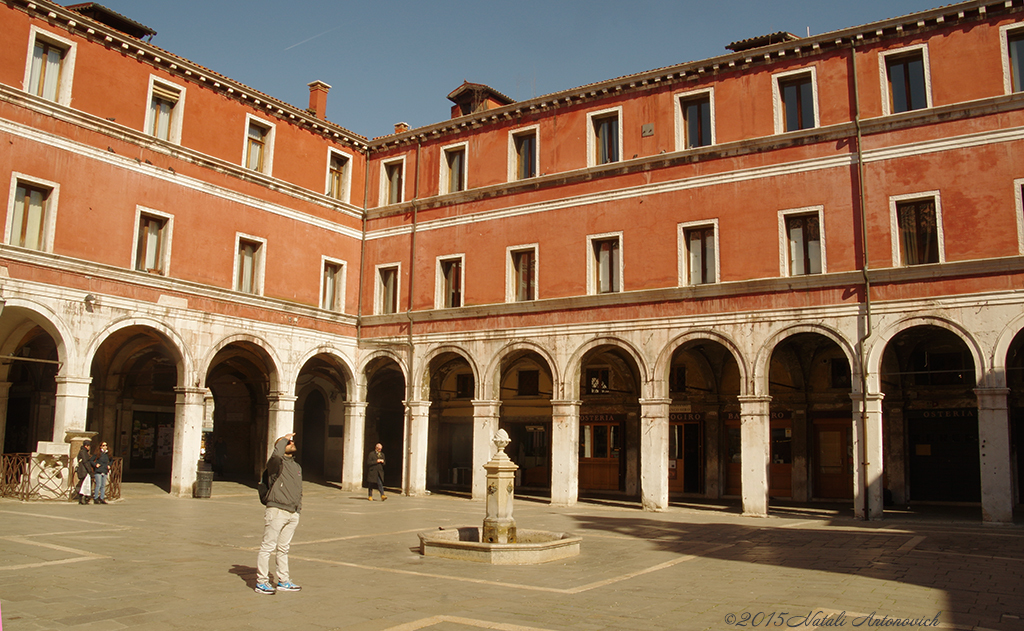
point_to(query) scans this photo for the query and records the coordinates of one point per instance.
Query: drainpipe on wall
(865, 483)
(409, 387)
(362, 249)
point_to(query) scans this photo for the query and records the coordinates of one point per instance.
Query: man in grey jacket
(284, 501)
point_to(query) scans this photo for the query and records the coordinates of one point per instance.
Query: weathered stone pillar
(485, 426)
(416, 447)
(994, 445)
(565, 452)
(188, 432)
(894, 426)
(654, 453)
(868, 457)
(72, 404)
(755, 447)
(352, 461)
(280, 420)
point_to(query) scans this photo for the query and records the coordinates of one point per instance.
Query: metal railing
(36, 477)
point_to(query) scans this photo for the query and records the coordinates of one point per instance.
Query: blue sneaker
(263, 588)
(288, 587)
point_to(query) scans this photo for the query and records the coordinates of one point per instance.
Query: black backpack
(264, 486)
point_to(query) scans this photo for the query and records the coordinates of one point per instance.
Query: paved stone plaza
(155, 562)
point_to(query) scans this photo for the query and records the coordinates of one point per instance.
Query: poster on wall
(165, 440)
(142, 445)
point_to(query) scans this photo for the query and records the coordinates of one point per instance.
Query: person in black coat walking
(101, 465)
(84, 471)
(375, 473)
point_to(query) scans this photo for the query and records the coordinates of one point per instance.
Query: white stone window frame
(382, 195)
(894, 224)
(165, 254)
(259, 266)
(1005, 33)
(819, 210)
(684, 251)
(510, 270)
(339, 286)
(268, 144)
(444, 170)
(49, 214)
(439, 289)
(1018, 196)
(592, 287)
(513, 156)
(67, 69)
(378, 288)
(177, 114)
(883, 75)
(778, 108)
(592, 134)
(346, 180)
(677, 100)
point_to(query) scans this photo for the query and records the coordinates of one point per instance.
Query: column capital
(566, 403)
(486, 405)
(754, 398)
(991, 392)
(418, 407)
(857, 397)
(72, 380)
(281, 396)
(645, 402)
(190, 390)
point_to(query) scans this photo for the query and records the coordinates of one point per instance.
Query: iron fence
(33, 477)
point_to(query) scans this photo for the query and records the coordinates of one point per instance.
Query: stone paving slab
(156, 562)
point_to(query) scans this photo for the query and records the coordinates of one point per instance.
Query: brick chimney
(401, 128)
(318, 99)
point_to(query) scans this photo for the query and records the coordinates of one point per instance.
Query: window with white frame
(259, 145)
(905, 79)
(392, 175)
(453, 168)
(604, 263)
(332, 285)
(916, 223)
(31, 213)
(166, 103)
(796, 97)
(1012, 42)
(522, 154)
(449, 283)
(339, 177)
(385, 292)
(698, 259)
(695, 115)
(51, 65)
(521, 273)
(604, 138)
(250, 257)
(152, 241)
(801, 237)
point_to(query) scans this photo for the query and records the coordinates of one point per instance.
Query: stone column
(755, 447)
(654, 453)
(868, 456)
(994, 447)
(565, 452)
(415, 460)
(72, 404)
(280, 420)
(5, 388)
(355, 437)
(485, 426)
(188, 432)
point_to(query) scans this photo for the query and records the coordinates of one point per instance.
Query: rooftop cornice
(871, 33)
(157, 57)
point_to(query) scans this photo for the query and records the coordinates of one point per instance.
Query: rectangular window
(1013, 58)
(606, 269)
(393, 182)
(606, 139)
(700, 251)
(464, 386)
(257, 147)
(151, 244)
(906, 77)
(333, 283)
(803, 235)
(696, 112)
(524, 267)
(453, 170)
(47, 64)
(525, 145)
(249, 266)
(450, 271)
(337, 176)
(387, 290)
(528, 383)
(29, 218)
(797, 95)
(163, 115)
(918, 231)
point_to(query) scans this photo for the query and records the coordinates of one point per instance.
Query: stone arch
(996, 377)
(882, 338)
(762, 360)
(41, 315)
(663, 363)
(343, 361)
(422, 381)
(185, 361)
(275, 363)
(493, 370)
(572, 368)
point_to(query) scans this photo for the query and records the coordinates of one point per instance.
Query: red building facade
(790, 271)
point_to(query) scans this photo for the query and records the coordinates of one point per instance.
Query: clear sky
(396, 61)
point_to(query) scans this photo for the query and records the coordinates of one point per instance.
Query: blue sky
(397, 61)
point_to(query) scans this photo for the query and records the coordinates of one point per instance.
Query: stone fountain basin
(532, 546)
